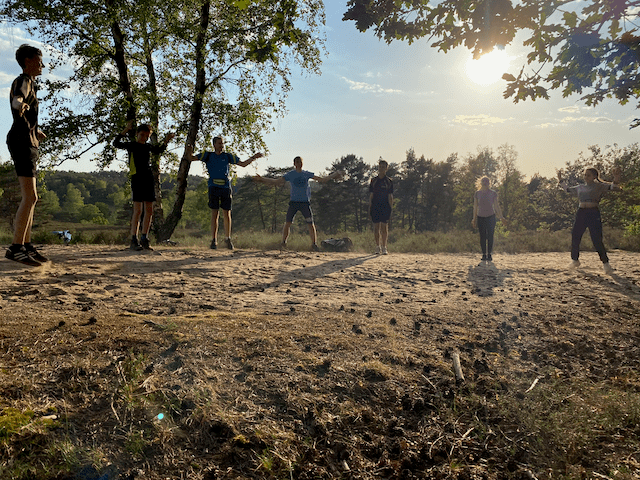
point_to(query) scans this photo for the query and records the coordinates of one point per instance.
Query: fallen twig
(457, 368)
(535, 382)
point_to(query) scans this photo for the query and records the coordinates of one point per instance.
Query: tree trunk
(166, 229)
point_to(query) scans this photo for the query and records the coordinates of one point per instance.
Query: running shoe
(489, 258)
(144, 243)
(315, 247)
(385, 251)
(378, 250)
(484, 258)
(134, 245)
(33, 253)
(574, 264)
(229, 244)
(23, 257)
(608, 269)
(283, 246)
(214, 244)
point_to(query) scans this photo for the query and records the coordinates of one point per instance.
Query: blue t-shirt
(218, 167)
(300, 189)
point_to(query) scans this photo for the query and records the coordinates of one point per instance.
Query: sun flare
(489, 68)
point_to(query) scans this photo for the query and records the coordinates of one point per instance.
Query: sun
(489, 68)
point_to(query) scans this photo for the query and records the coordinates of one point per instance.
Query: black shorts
(142, 188)
(380, 212)
(219, 197)
(25, 158)
(302, 207)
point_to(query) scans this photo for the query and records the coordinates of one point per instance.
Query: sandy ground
(278, 337)
(83, 280)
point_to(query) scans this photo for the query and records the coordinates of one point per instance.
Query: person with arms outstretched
(300, 198)
(217, 163)
(23, 141)
(142, 185)
(588, 214)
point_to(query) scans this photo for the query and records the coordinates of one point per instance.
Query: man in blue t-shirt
(217, 163)
(300, 197)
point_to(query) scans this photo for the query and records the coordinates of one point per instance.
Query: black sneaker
(489, 259)
(22, 256)
(214, 245)
(33, 253)
(229, 244)
(134, 245)
(144, 243)
(484, 258)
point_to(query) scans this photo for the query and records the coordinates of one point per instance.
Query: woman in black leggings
(485, 209)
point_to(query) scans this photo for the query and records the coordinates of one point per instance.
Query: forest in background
(429, 195)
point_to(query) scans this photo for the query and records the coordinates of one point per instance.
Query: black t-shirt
(25, 128)
(139, 154)
(381, 188)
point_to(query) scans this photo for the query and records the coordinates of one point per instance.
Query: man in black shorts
(23, 141)
(380, 204)
(141, 179)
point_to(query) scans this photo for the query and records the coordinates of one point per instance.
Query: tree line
(429, 195)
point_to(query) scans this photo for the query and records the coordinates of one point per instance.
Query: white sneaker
(608, 269)
(378, 250)
(384, 251)
(574, 264)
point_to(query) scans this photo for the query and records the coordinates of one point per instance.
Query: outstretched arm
(617, 176)
(188, 153)
(248, 161)
(277, 182)
(335, 175)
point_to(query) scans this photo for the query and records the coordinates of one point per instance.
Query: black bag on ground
(337, 244)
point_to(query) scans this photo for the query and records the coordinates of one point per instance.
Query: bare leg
(226, 218)
(135, 218)
(384, 234)
(285, 231)
(376, 233)
(148, 214)
(313, 234)
(214, 225)
(24, 216)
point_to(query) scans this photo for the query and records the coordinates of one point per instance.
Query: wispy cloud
(586, 119)
(479, 120)
(572, 109)
(368, 87)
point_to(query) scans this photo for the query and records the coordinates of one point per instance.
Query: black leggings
(588, 218)
(487, 226)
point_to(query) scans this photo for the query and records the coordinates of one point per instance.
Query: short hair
(215, 139)
(298, 158)
(26, 51)
(384, 162)
(144, 127)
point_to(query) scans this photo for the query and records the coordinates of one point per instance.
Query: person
(23, 141)
(380, 205)
(217, 163)
(142, 185)
(588, 214)
(300, 198)
(485, 209)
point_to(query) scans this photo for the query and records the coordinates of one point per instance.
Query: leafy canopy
(588, 47)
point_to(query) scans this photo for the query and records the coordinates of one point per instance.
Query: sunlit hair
(595, 173)
(482, 180)
(143, 127)
(297, 159)
(26, 51)
(384, 163)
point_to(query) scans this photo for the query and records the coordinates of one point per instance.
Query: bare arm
(334, 175)
(475, 211)
(277, 182)
(251, 159)
(617, 175)
(497, 209)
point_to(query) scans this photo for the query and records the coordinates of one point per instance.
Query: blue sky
(377, 100)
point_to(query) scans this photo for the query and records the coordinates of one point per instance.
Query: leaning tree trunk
(165, 231)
